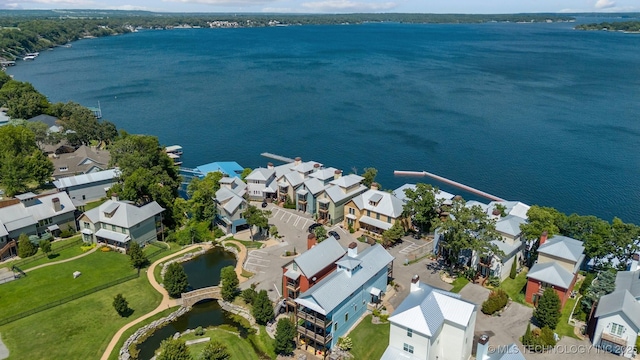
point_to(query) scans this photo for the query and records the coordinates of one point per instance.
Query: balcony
(302, 200)
(317, 321)
(318, 338)
(294, 286)
(323, 209)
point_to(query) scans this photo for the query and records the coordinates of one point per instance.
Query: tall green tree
(193, 232)
(421, 205)
(369, 176)
(256, 217)
(393, 235)
(27, 105)
(45, 246)
(201, 194)
(245, 173)
(541, 219)
(25, 247)
(285, 334)
(514, 270)
(79, 120)
(21, 161)
(136, 255)
(230, 283)
(548, 311)
(468, 228)
(215, 350)
(603, 284)
(40, 130)
(262, 309)
(173, 349)
(175, 280)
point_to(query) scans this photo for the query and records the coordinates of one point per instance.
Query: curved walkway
(242, 255)
(61, 261)
(166, 302)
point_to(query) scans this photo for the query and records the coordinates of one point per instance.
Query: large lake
(533, 112)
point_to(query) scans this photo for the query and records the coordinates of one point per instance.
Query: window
(64, 168)
(368, 212)
(352, 211)
(389, 219)
(355, 308)
(408, 348)
(113, 228)
(86, 225)
(617, 329)
(378, 216)
(410, 332)
(124, 231)
(335, 326)
(346, 317)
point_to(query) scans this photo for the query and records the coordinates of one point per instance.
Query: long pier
(277, 157)
(450, 182)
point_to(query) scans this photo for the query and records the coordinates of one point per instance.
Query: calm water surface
(533, 112)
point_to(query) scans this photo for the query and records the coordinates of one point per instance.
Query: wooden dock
(277, 157)
(450, 182)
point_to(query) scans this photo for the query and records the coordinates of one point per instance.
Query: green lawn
(369, 340)
(94, 204)
(239, 349)
(56, 282)
(249, 244)
(564, 328)
(516, 288)
(458, 284)
(130, 331)
(55, 255)
(80, 329)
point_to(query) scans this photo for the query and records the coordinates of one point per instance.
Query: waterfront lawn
(80, 329)
(56, 282)
(516, 288)
(458, 284)
(239, 348)
(564, 328)
(369, 340)
(131, 330)
(54, 255)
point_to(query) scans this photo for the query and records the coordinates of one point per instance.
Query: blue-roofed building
(227, 168)
(331, 307)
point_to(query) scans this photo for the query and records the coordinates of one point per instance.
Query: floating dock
(277, 157)
(450, 182)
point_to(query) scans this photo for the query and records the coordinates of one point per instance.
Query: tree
(78, 121)
(230, 283)
(136, 255)
(245, 173)
(201, 193)
(395, 233)
(467, 228)
(369, 176)
(175, 280)
(548, 311)
(249, 295)
(40, 130)
(173, 349)
(214, 350)
(541, 219)
(321, 233)
(256, 217)
(273, 231)
(45, 246)
(285, 333)
(603, 284)
(27, 105)
(25, 246)
(262, 309)
(121, 305)
(345, 343)
(193, 232)
(421, 205)
(514, 271)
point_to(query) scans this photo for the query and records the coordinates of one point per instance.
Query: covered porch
(112, 238)
(374, 225)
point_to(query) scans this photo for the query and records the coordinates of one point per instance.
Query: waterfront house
(330, 203)
(262, 184)
(227, 168)
(84, 160)
(88, 187)
(310, 267)
(559, 259)
(618, 314)
(231, 204)
(117, 223)
(431, 324)
(332, 306)
(50, 121)
(307, 194)
(290, 181)
(442, 197)
(373, 211)
(35, 215)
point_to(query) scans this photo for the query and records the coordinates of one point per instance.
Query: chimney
(353, 250)
(297, 161)
(311, 241)
(634, 262)
(482, 351)
(375, 186)
(316, 166)
(115, 197)
(543, 238)
(337, 174)
(270, 165)
(56, 204)
(415, 283)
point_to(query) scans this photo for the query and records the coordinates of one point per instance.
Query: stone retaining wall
(238, 310)
(184, 258)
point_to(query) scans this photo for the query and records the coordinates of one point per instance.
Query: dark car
(264, 204)
(334, 234)
(313, 227)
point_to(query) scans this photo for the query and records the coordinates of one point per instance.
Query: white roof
(425, 310)
(260, 174)
(307, 166)
(514, 208)
(124, 214)
(112, 235)
(510, 225)
(18, 216)
(552, 273)
(320, 256)
(563, 247)
(314, 185)
(347, 181)
(324, 174)
(440, 195)
(294, 178)
(336, 193)
(375, 222)
(380, 202)
(472, 203)
(83, 179)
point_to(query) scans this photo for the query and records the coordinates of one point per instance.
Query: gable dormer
(110, 210)
(374, 200)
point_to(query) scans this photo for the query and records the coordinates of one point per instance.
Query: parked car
(334, 234)
(313, 227)
(264, 204)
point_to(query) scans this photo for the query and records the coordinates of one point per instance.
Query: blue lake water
(533, 112)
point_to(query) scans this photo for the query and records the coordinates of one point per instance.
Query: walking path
(242, 255)
(166, 302)
(62, 261)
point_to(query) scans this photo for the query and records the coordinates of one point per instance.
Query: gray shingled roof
(563, 247)
(629, 280)
(551, 272)
(331, 291)
(320, 256)
(620, 301)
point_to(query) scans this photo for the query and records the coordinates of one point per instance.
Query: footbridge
(209, 293)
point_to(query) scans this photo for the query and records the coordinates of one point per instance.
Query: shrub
(67, 233)
(351, 230)
(199, 331)
(249, 295)
(362, 238)
(496, 301)
(25, 247)
(514, 270)
(345, 343)
(87, 247)
(538, 340)
(586, 283)
(105, 249)
(121, 305)
(493, 281)
(218, 233)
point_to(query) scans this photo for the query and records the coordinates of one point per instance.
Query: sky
(337, 6)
